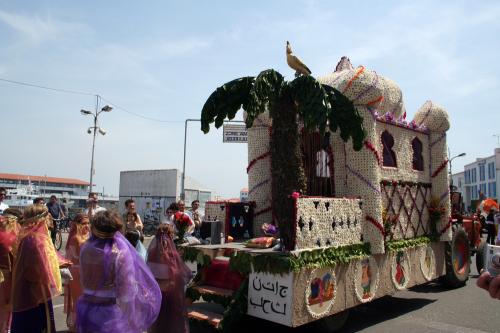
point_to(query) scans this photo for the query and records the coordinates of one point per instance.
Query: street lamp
(95, 129)
(449, 161)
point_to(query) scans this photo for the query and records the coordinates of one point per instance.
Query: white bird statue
(295, 63)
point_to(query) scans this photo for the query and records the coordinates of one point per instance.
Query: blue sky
(163, 59)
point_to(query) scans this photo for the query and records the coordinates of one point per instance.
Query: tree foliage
(318, 106)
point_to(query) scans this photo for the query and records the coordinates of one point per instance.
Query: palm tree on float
(319, 107)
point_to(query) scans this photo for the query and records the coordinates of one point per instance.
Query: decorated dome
(365, 87)
(432, 116)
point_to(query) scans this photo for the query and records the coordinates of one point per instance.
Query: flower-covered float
(357, 194)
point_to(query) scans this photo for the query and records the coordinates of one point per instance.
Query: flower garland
(189, 253)
(358, 73)
(275, 263)
(440, 168)
(389, 118)
(376, 224)
(387, 182)
(403, 244)
(255, 160)
(371, 147)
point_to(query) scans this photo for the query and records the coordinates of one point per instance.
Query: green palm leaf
(344, 116)
(264, 94)
(312, 103)
(225, 101)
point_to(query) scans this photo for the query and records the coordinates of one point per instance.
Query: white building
(154, 190)
(481, 179)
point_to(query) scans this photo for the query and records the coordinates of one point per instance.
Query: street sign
(234, 133)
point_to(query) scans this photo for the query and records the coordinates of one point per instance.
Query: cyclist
(57, 213)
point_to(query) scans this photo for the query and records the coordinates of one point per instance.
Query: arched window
(389, 155)
(317, 161)
(418, 159)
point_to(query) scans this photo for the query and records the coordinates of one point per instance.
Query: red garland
(376, 224)
(441, 167)
(371, 147)
(265, 210)
(261, 157)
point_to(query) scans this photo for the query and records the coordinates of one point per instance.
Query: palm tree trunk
(286, 165)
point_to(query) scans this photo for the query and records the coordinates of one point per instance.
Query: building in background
(22, 189)
(154, 190)
(44, 184)
(480, 180)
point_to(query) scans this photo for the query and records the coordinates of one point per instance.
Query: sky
(157, 62)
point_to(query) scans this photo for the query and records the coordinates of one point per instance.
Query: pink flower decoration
(295, 195)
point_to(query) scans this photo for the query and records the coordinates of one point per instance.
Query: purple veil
(112, 271)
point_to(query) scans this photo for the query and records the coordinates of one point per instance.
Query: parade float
(356, 194)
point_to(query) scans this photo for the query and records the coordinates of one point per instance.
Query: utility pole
(183, 179)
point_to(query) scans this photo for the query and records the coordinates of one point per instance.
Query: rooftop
(72, 181)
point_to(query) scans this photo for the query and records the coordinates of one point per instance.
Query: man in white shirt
(196, 216)
(92, 206)
(3, 194)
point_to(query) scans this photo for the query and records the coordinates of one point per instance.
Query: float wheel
(457, 259)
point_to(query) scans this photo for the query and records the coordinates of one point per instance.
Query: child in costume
(78, 235)
(119, 292)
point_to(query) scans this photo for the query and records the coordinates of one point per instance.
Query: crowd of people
(111, 283)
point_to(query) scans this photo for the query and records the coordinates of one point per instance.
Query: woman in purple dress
(119, 292)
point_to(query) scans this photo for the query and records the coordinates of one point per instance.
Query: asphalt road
(426, 308)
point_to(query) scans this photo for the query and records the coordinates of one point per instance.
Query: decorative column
(435, 118)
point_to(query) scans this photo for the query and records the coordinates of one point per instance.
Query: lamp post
(183, 179)
(449, 161)
(95, 129)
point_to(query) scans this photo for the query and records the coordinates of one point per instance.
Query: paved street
(427, 308)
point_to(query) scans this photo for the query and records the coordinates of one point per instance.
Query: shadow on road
(361, 317)
(383, 309)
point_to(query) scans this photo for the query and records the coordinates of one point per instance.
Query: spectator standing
(131, 218)
(196, 216)
(133, 228)
(92, 205)
(57, 213)
(490, 227)
(3, 205)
